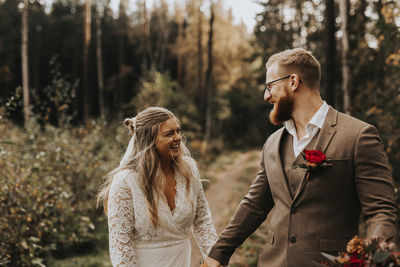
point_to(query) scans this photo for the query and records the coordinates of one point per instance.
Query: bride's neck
(167, 168)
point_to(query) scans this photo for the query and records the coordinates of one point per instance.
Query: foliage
(54, 102)
(246, 102)
(48, 182)
(96, 257)
(376, 87)
(365, 253)
(161, 91)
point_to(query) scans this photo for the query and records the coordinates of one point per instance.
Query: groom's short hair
(301, 62)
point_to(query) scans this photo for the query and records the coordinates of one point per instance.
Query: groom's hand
(212, 263)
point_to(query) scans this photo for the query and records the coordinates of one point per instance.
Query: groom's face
(278, 94)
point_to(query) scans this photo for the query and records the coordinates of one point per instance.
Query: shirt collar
(317, 120)
(290, 127)
(319, 117)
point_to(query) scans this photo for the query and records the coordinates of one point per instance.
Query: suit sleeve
(375, 185)
(252, 211)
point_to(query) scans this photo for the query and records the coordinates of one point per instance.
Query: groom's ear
(294, 82)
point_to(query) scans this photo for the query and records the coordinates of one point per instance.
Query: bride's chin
(175, 154)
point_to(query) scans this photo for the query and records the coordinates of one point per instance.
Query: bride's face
(168, 140)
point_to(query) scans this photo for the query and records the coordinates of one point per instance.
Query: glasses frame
(277, 80)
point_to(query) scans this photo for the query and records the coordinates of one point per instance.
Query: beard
(282, 110)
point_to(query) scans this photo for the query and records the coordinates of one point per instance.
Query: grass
(97, 257)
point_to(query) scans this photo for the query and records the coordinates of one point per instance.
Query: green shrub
(48, 181)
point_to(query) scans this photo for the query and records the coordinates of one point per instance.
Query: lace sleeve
(203, 228)
(121, 223)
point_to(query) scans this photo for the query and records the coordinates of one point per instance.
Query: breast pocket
(336, 168)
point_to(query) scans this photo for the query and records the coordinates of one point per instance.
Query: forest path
(222, 195)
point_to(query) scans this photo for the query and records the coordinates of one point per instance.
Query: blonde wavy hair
(145, 162)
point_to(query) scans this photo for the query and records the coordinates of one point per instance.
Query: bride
(155, 198)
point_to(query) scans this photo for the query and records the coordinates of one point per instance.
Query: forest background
(71, 71)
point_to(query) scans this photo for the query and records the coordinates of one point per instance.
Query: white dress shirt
(312, 128)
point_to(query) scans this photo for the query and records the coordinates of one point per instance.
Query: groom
(314, 210)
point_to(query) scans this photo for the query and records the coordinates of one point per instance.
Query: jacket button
(292, 239)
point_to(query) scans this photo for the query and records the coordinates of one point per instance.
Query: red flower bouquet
(364, 253)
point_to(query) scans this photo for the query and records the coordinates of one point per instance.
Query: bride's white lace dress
(134, 241)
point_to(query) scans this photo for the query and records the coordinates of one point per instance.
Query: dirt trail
(219, 196)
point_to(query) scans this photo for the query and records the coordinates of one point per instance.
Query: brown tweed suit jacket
(324, 213)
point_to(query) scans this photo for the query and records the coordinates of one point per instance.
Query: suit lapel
(275, 169)
(327, 131)
(324, 138)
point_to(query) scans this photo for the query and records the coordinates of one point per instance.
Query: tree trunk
(179, 41)
(148, 63)
(330, 52)
(200, 82)
(24, 58)
(209, 83)
(344, 14)
(380, 56)
(163, 37)
(35, 78)
(99, 57)
(298, 23)
(163, 49)
(121, 53)
(86, 49)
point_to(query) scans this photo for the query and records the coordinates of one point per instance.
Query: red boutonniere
(314, 159)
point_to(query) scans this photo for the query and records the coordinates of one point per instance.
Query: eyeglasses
(268, 85)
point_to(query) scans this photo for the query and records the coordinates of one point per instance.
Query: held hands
(210, 263)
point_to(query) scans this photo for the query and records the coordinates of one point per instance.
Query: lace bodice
(129, 223)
